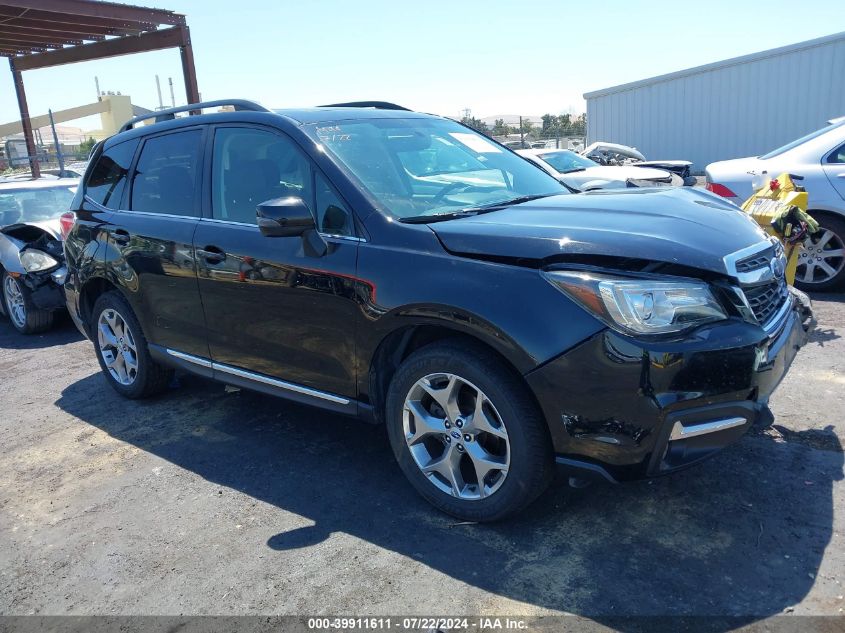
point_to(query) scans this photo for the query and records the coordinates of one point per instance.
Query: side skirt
(256, 382)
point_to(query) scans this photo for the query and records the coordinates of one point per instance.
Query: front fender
(10, 251)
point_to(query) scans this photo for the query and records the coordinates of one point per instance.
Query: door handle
(211, 254)
(121, 236)
(842, 175)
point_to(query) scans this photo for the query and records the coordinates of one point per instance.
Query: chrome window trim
(330, 236)
(242, 373)
(153, 214)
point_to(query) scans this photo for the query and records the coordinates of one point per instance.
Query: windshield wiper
(438, 217)
(469, 211)
(509, 203)
(573, 170)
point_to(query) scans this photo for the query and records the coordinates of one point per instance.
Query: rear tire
(478, 466)
(18, 306)
(122, 350)
(832, 234)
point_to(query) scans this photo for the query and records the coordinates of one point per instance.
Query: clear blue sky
(527, 57)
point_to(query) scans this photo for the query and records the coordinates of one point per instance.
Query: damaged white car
(579, 173)
(32, 262)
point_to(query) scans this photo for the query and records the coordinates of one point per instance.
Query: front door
(273, 306)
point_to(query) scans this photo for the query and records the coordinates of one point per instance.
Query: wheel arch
(90, 291)
(402, 341)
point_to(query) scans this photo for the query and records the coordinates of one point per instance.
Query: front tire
(467, 433)
(122, 350)
(18, 305)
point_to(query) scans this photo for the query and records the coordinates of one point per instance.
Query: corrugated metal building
(738, 107)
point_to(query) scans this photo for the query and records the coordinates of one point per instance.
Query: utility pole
(59, 156)
(97, 83)
(158, 89)
(172, 96)
(521, 134)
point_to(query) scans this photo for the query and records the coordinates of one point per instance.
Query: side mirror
(284, 217)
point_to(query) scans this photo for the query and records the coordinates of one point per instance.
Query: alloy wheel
(117, 347)
(455, 436)
(15, 304)
(821, 259)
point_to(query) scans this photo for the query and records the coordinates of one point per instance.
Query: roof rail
(378, 105)
(169, 113)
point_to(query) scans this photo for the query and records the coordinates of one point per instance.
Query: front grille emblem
(776, 266)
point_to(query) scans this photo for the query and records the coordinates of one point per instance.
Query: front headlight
(35, 261)
(640, 306)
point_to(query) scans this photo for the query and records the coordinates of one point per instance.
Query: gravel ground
(208, 502)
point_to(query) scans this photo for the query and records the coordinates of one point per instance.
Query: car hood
(53, 227)
(674, 225)
(621, 172)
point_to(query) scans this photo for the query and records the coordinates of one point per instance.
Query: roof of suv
(317, 115)
(293, 116)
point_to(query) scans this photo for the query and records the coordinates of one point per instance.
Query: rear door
(150, 252)
(273, 306)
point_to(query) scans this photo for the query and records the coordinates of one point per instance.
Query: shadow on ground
(62, 333)
(742, 534)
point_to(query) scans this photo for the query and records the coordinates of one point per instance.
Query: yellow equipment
(780, 207)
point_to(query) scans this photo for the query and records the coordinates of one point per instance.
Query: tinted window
(333, 217)
(837, 156)
(108, 177)
(165, 177)
(250, 166)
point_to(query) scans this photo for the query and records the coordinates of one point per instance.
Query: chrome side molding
(266, 380)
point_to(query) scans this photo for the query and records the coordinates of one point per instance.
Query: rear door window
(108, 177)
(165, 178)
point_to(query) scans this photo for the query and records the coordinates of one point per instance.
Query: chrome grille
(765, 300)
(753, 263)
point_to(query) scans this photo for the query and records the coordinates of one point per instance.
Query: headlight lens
(35, 261)
(640, 306)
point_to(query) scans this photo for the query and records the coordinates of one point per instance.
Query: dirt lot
(208, 502)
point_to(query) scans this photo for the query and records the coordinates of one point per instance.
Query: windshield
(34, 205)
(800, 141)
(425, 167)
(565, 161)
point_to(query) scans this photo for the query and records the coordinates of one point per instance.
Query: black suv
(404, 269)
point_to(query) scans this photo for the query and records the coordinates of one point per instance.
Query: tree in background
(500, 129)
(85, 147)
(476, 124)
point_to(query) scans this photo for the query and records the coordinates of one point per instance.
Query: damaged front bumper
(619, 408)
(46, 288)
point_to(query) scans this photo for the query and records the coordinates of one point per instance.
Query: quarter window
(333, 218)
(165, 177)
(108, 177)
(837, 156)
(251, 166)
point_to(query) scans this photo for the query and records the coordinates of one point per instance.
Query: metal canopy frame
(45, 33)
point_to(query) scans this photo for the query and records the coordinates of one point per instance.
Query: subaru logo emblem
(776, 266)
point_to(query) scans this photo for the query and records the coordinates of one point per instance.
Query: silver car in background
(819, 158)
(33, 218)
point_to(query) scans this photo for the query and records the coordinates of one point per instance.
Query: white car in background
(582, 174)
(818, 157)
